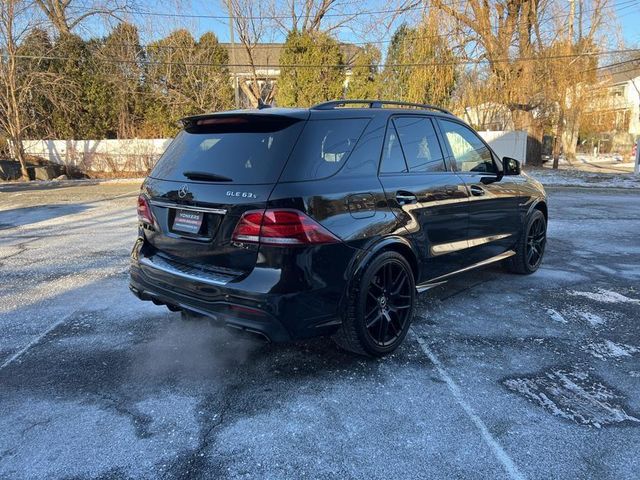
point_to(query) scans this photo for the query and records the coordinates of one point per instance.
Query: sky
(152, 27)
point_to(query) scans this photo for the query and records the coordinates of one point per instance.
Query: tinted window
(419, 144)
(470, 153)
(246, 149)
(392, 157)
(323, 148)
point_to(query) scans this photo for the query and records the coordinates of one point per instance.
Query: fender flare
(534, 205)
(360, 261)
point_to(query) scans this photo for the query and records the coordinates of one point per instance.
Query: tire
(531, 245)
(380, 307)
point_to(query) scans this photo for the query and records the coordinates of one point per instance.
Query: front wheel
(531, 246)
(380, 307)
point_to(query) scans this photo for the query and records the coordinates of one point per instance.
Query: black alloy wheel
(529, 250)
(388, 303)
(380, 307)
(536, 241)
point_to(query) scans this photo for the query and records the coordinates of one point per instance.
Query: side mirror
(511, 166)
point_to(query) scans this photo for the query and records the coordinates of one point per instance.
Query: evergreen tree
(432, 82)
(186, 77)
(395, 77)
(87, 98)
(121, 60)
(311, 69)
(420, 66)
(363, 82)
(39, 106)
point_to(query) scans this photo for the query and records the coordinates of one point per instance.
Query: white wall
(508, 144)
(632, 94)
(100, 155)
(139, 155)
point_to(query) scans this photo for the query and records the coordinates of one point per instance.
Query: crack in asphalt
(22, 248)
(140, 421)
(193, 461)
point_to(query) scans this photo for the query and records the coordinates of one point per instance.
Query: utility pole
(233, 55)
(572, 16)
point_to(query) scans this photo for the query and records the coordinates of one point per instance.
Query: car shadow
(19, 217)
(45, 185)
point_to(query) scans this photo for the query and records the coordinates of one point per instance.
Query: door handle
(406, 198)
(477, 190)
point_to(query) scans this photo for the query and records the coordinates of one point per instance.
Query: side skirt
(444, 278)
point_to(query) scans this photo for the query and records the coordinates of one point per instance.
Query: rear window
(242, 149)
(323, 148)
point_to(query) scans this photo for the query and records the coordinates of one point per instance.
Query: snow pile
(576, 178)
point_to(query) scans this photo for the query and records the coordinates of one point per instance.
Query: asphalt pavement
(502, 376)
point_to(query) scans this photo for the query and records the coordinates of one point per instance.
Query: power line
(149, 13)
(380, 65)
(622, 4)
(156, 44)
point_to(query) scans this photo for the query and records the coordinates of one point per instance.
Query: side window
(469, 152)
(420, 144)
(323, 147)
(392, 157)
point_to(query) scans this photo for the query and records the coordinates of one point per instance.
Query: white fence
(136, 155)
(139, 155)
(508, 144)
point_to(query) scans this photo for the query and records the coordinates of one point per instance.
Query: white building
(613, 113)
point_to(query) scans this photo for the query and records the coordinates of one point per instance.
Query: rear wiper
(206, 177)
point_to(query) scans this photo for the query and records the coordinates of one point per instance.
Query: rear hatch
(216, 169)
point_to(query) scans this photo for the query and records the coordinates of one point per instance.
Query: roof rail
(375, 104)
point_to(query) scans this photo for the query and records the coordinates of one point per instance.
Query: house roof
(623, 72)
(267, 56)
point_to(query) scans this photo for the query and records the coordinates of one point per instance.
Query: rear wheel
(380, 307)
(531, 246)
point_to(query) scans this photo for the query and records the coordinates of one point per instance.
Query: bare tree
(303, 15)
(506, 32)
(573, 79)
(21, 79)
(534, 53)
(65, 15)
(250, 22)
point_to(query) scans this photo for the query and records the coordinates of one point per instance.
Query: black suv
(293, 223)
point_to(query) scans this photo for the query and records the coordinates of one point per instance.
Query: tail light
(144, 210)
(280, 227)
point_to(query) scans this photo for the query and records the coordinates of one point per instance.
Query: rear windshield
(242, 149)
(323, 148)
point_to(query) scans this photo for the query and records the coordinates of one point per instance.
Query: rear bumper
(263, 325)
(277, 303)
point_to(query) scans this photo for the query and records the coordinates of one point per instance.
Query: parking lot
(502, 376)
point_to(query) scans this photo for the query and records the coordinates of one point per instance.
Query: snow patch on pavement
(556, 316)
(573, 178)
(610, 350)
(593, 319)
(605, 296)
(573, 395)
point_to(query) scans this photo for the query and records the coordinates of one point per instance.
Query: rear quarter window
(323, 148)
